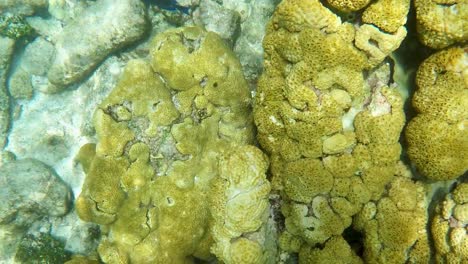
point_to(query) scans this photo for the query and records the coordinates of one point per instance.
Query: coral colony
(318, 160)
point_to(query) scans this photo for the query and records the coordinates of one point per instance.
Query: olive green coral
(438, 136)
(161, 133)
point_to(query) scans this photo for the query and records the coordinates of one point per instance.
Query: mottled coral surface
(175, 176)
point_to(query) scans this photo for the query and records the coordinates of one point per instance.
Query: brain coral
(329, 119)
(438, 136)
(162, 132)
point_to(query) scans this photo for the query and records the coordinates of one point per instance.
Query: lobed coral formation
(437, 137)
(173, 125)
(450, 225)
(394, 227)
(348, 5)
(329, 120)
(174, 179)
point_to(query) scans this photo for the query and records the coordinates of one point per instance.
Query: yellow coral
(437, 137)
(394, 228)
(159, 141)
(326, 115)
(448, 229)
(388, 15)
(348, 5)
(336, 250)
(441, 23)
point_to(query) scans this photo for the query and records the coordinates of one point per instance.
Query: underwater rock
(328, 117)
(41, 248)
(22, 7)
(48, 28)
(6, 50)
(31, 70)
(61, 123)
(67, 10)
(438, 136)
(78, 236)
(215, 17)
(104, 27)
(248, 46)
(31, 190)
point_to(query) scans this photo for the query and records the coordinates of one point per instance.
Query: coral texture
(239, 209)
(394, 227)
(438, 136)
(441, 23)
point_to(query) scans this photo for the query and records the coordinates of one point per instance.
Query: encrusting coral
(329, 119)
(173, 125)
(438, 136)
